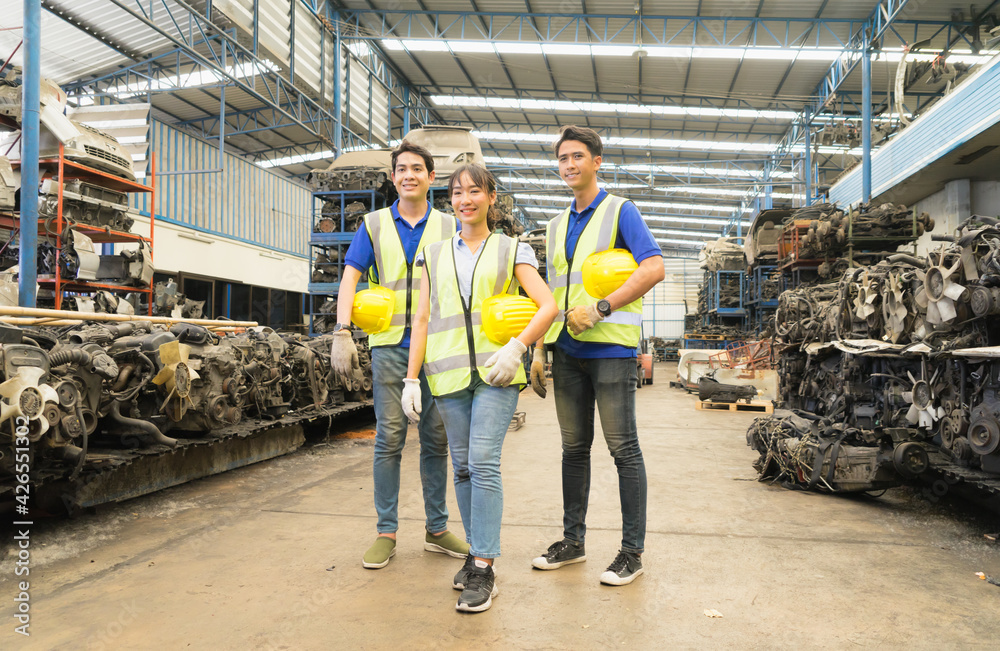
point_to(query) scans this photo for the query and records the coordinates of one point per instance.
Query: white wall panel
(243, 202)
(307, 48)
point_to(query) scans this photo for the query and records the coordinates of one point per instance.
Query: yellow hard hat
(506, 316)
(372, 309)
(606, 271)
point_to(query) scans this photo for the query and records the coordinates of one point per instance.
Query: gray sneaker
(560, 553)
(463, 574)
(480, 588)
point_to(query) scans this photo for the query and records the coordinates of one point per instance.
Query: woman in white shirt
(475, 381)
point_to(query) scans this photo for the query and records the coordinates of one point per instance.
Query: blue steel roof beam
(273, 83)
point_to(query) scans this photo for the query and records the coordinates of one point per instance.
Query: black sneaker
(624, 570)
(463, 574)
(480, 588)
(560, 553)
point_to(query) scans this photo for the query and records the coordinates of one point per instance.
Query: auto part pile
(898, 363)
(723, 254)
(824, 232)
(90, 391)
(329, 217)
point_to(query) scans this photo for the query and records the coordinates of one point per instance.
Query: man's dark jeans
(611, 384)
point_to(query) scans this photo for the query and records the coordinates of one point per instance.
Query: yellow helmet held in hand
(372, 310)
(506, 316)
(606, 271)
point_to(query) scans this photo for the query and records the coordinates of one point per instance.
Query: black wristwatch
(341, 326)
(604, 307)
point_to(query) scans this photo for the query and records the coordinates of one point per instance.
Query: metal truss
(610, 29)
(200, 45)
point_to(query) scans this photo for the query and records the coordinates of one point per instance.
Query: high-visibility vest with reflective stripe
(456, 344)
(393, 272)
(565, 278)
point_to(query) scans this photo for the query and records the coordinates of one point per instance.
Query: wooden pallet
(755, 406)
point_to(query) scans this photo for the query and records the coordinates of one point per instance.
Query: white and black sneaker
(560, 553)
(480, 588)
(463, 574)
(624, 570)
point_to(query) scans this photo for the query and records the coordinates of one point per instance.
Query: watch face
(604, 307)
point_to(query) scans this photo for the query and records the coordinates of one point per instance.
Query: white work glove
(343, 354)
(505, 362)
(411, 399)
(538, 372)
(582, 317)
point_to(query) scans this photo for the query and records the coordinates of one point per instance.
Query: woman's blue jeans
(476, 420)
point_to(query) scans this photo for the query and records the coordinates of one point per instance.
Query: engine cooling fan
(940, 292)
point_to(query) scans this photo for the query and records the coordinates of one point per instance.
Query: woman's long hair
(483, 179)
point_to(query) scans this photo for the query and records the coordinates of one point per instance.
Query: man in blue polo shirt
(595, 349)
(385, 249)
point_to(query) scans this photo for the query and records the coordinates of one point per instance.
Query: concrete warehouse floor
(269, 557)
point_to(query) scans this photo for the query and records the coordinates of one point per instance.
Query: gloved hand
(343, 354)
(505, 362)
(583, 317)
(538, 372)
(411, 399)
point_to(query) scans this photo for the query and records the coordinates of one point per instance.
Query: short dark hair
(483, 179)
(586, 135)
(407, 146)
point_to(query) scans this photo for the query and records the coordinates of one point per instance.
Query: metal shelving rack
(339, 240)
(65, 169)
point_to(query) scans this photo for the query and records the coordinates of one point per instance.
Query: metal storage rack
(63, 170)
(338, 241)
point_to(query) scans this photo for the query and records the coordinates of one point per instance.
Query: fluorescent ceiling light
(720, 222)
(676, 170)
(649, 204)
(610, 50)
(520, 180)
(564, 106)
(722, 192)
(669, 240)
(822, 54)
(632, 143)
(677, 231)
(543, 209)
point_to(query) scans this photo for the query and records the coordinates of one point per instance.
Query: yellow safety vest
(393, 272)
(456, 344)
(624, 325)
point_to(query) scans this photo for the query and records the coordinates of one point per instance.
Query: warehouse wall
(664, 305)
(244, 223)
(243, 202)
(949, 207)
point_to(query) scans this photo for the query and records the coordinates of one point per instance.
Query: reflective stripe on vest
(455, 341)
(624, 325)
(392, 270)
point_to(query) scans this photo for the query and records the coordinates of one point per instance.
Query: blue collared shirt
(361, 252)
(634, 236)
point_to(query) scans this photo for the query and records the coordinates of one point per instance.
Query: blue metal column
(31, 80)
(338, 113)
(808, 160)
(406, 110)
(866, 123)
